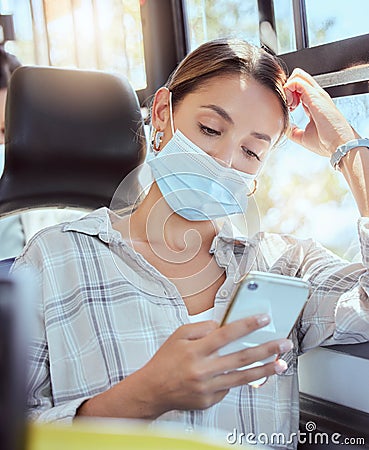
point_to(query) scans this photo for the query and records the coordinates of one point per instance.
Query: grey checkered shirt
(104, 311)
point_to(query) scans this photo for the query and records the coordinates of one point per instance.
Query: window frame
(165, 41)
(317, 61)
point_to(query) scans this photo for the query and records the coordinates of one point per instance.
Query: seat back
(71, 137)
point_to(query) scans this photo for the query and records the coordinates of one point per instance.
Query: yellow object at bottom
(102, 435)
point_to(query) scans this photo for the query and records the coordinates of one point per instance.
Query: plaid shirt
(104, 312)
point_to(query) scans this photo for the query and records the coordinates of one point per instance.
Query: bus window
(285, 32)
(104, 34)
(323, 22)
(320, 189)
(331, 20)
(234, 18)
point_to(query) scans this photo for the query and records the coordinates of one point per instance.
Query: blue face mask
(194, 184)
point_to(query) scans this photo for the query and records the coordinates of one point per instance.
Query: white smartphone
(280, 296)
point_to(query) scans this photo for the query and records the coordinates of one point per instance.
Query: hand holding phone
(279, 296)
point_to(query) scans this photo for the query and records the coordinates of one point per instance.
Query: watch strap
(343, 149)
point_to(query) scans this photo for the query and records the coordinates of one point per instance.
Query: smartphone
(281, 297)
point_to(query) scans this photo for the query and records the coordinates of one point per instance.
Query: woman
(119, 294)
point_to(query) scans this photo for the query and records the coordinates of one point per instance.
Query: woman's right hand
(187, 373)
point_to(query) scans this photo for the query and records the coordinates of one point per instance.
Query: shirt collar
(98, 223)
(230, 235)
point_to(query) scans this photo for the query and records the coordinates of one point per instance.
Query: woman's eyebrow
(262, 136)
(223, 113)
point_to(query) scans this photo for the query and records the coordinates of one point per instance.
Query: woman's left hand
(327, 127)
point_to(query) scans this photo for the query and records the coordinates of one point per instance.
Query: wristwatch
(343, 149)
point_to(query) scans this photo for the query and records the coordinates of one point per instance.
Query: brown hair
(229, 57)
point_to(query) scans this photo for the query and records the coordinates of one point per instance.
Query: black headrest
(71, 137)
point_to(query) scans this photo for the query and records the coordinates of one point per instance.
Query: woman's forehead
(232, 90)
(243, 98)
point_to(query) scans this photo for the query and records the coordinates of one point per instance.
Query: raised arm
(327, 129)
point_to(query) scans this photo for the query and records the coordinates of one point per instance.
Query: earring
(254, 190)
(156, 139)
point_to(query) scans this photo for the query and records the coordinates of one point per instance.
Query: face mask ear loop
(171, 112)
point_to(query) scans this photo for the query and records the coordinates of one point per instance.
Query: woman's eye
(209, 131)
(250, 154)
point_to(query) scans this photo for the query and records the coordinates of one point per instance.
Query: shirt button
(224, 293)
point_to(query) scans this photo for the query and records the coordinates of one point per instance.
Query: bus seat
(71, 137)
